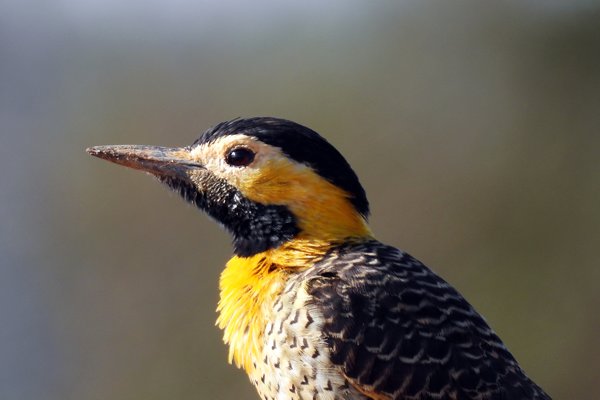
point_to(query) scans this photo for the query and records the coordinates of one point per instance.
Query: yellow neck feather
(249, 287)
(248, 284)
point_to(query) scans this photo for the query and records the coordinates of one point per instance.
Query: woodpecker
(312, 306)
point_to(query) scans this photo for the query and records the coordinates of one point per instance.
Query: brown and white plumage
(397, 330)
(312, 306)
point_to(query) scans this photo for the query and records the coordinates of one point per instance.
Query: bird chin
(185, 188)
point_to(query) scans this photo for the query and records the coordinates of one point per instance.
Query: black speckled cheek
(255, 227)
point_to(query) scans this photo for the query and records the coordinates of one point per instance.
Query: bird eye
(239, 157)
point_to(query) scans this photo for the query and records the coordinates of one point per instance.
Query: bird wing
(397, 330)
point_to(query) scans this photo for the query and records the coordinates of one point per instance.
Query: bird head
(268, 181)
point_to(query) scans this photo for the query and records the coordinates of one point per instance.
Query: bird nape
(312, 306)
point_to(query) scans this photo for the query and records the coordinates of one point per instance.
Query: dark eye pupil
(239, 157)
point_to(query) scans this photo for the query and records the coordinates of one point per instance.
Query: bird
(312, 305)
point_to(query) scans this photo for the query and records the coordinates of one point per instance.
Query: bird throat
(249, 287)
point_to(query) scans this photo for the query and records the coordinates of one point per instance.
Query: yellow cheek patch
(323, 210)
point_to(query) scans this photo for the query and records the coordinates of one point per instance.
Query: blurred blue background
(474, 127)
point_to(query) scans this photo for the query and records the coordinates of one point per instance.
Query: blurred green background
(474, 126)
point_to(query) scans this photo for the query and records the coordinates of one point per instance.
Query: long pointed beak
(156, 160)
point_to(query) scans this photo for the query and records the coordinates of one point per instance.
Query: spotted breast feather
(398, 331)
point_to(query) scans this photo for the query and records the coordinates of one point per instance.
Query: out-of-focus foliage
(474, 126)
